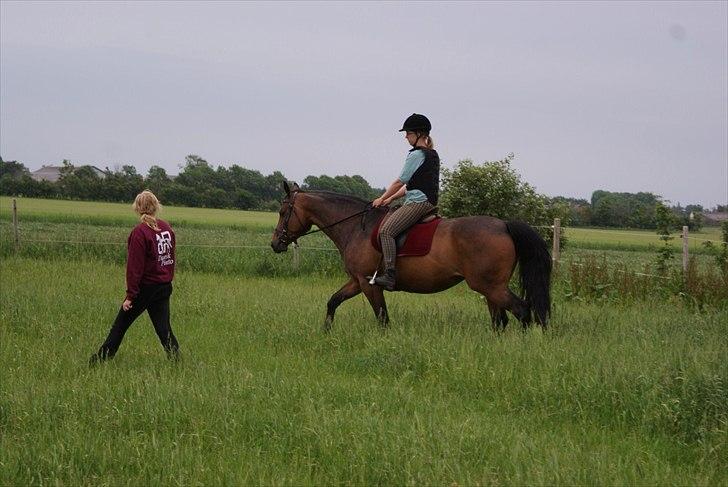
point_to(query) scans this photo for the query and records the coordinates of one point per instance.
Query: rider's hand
(377, 202)
(126, 306)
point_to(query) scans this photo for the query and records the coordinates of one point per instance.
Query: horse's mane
(337, 197)
(354, 203)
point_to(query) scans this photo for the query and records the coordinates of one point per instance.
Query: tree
(197, 173)
(273, 185)
(579, 210)
(15, 179)
(354, 185)
(635, 210)
(496, 189)
(13, 169)
(81, 183)
(123, 184)
(665, 220)
(690, 216)
(156, 180)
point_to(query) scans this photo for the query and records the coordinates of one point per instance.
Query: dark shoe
(386, 280)
(94, 360)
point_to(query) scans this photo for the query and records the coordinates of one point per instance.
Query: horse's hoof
(327, 325)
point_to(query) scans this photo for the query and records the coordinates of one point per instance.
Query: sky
(619, 96)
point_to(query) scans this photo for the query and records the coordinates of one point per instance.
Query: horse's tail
(534, 262)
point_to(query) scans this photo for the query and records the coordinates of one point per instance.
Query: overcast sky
(617, 96)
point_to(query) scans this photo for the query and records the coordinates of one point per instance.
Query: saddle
(414, 241)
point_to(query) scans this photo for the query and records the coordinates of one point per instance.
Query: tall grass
(245, 251)
(219, 249)
(611, 394)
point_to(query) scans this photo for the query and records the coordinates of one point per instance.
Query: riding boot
(387, 279)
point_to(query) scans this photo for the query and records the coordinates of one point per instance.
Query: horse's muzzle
(278, 246)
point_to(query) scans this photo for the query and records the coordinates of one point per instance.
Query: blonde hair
(429, 141)
(146, 205)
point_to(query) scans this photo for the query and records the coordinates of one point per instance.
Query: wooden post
(15, 225)
(557, 237)
(685, 248)
(296, 257)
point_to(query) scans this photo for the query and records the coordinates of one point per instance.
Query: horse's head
(293, 221)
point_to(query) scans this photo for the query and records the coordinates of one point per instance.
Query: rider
(419, 182)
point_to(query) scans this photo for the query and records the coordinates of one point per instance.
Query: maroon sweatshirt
(150, 257)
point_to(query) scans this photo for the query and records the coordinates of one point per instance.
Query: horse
(481, 250)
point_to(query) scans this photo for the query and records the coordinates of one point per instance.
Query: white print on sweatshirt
(164, 247)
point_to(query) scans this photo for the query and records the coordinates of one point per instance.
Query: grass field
(628, 386)
(631, 239)
(31, 209)
(609, 395)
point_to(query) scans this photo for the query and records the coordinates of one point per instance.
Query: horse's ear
(286, 188)
(295, 187)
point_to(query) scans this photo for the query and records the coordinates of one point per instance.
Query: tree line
(491, 188)
(198, 184)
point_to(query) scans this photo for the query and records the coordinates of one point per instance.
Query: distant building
(53, 173)
(715, 218)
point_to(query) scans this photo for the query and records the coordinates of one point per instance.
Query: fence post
(296, 256)
(557, 237)
(15, 225)
(685, 248)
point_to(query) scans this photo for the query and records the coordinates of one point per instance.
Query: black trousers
(154, 298)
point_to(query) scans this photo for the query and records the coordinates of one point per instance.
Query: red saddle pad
(418, 241)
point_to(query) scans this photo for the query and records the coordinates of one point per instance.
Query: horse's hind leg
(520, 309)
(500, 298)
(498, 316)
(348, 290)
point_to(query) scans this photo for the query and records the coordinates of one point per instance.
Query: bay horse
(482, 250)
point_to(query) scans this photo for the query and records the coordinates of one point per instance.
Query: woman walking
(419, 183)
(149, 273)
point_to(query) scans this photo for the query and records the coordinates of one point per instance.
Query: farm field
(629, 385)
(608, 395)
(33, 209)
(100, 213)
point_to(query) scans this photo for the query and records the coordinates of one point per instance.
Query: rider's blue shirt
(411, 164)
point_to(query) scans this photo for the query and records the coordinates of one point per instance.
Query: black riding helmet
(416, 123)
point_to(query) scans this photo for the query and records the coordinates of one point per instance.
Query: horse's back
(475, 225)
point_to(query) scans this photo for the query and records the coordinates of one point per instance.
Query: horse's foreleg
(348, 290)
(375, 295)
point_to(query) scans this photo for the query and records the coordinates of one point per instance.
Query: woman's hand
(378, 202)
(126, 306)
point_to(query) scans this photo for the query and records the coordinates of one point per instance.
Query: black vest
(427, 177)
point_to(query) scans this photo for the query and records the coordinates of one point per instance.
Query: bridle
(286, 237)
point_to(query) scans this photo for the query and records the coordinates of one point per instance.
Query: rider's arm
(400, 192)
(413, 162)
(393, 189)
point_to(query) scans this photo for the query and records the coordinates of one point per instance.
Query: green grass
(637, 240)
(615, 395)
(64, 211)
(118, 214)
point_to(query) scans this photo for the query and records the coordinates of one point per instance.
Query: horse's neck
(324, 213)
